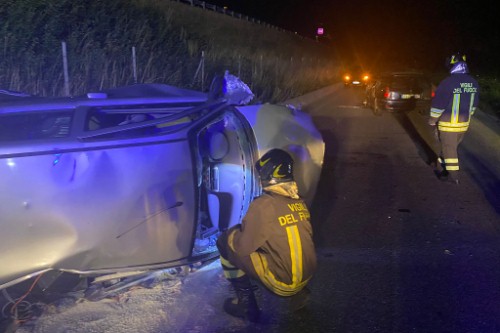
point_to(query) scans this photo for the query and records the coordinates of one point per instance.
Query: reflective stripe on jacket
(277, 234)
(455, 102)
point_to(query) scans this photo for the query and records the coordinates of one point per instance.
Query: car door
(229, 184)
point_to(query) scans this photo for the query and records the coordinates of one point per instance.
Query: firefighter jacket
(455, 101)
(277, 235)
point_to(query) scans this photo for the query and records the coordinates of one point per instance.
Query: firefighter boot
(449, 177)
(244, 305)
(443, 175)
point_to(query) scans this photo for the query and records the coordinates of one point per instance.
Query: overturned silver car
(136, 178)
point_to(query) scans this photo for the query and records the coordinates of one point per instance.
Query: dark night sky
(418, 33)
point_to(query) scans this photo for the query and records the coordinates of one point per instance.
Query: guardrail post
(260, 65)
(239, 65)
(134, 64)
(203, 71)
(65, 68)
(201, 68)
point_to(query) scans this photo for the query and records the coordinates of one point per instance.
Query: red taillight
(433, 93)
(386, 92)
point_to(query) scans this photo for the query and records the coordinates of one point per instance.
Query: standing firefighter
(452, 107)
(273, 244)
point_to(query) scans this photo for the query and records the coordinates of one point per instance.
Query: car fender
(278, 126)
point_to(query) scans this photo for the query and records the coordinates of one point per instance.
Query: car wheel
(376, 109)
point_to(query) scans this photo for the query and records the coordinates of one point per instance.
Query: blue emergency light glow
(57, 158)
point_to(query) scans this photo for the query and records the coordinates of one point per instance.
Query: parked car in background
(135, 178)
(399, 92)
(356, 77)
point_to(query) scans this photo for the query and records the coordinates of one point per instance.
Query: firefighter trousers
(234, 265)
(449, 152)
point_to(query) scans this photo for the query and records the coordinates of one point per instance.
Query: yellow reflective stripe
(267, 277)
(453, 127)
(270, 281)
(448, 124)
(226, 263)
(471, 105)
(455, 108)
(233, 274)
(452, 168)
(435, 113)
(295, 252)
(230, 271)
(450, 160)
(230, 240)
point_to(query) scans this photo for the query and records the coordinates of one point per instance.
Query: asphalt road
(398, 250)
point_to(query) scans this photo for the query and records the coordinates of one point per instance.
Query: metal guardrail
(225, 11)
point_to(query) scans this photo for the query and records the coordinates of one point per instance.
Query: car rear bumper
(404, 105)
(355, 84)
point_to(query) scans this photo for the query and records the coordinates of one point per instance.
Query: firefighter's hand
(432, 121)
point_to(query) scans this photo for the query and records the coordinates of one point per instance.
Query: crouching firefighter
(272, 245)
(455, 101)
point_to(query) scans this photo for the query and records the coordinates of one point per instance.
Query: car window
(356, 69)
(407, 82)
(35, 125)
(131, 122)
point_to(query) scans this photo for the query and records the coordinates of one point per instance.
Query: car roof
(129, 95)
(408, 73)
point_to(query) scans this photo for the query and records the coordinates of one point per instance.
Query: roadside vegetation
(490, 95)
(173, 44)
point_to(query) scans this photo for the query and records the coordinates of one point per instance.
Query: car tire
(376, 109)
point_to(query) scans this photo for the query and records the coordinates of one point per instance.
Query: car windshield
(355, 70)
(406, 82)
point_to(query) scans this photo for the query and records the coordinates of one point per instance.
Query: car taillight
(387, 93)
(433, 93)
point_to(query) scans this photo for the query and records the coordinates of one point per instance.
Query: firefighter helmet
(276, 166)
(455, 58)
